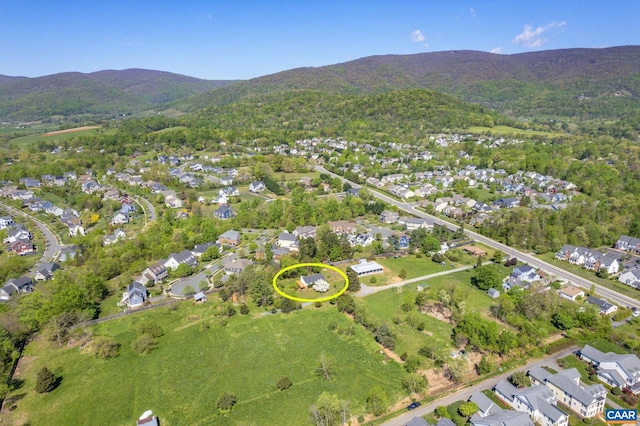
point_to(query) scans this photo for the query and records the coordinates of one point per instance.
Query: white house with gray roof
(538, 401)
(621, 370)
(631, 277)
(586, 401)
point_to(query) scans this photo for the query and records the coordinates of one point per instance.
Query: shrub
(150, 328)
(104, 347)
(144, 344)
(244, 309)
(616, 391)
(284, 383)
(45, 381)
(226, 401)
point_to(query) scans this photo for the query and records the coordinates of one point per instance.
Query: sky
(239, 39)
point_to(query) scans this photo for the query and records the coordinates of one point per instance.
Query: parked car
(413, 405)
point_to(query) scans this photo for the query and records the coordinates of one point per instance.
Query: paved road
(52, 245)
(530, 259)
(177, 288)
(147, 207)
(464, 393)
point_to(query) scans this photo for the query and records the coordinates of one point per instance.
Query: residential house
(135, 295)
(45, 271)
(507, 203)
(502, 418)
(413, 223)
(176, 259)
(229, 191)
(224, 212)
(257, 186)
(303, 232)
(113, 238)
(605, 307)
(616, 370)
(236, 266)
(16, 286)
(627, 243)
(599, 261)
(586, 401)
(493, 293)
(287, 240)
(67, 253)
(525, 273)
(474, 251)
(199, 249)
(229, 238)
(22, 247)
(18, 233)
(316, 281)
(389, 217)
(154, 273)
(354, 192)
(631, 277)
(120, 218)
(571, 292)
(76, 229)
(538, 401)
(342, 227)
(6, 221)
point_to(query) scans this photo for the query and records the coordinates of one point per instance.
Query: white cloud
(530, 37)
(497, 50)
(417, 36)
(472, 11)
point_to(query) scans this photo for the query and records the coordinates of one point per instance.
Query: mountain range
(578, 84)
(102, 92)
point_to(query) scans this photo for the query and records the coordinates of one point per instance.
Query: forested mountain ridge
(102, 92)
(580, 83)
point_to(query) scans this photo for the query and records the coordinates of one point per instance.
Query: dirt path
(75, 129)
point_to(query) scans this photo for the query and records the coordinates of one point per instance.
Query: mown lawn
(182, 379)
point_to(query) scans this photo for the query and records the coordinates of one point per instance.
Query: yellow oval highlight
(301, 299)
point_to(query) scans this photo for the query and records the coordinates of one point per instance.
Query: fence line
(127, 312)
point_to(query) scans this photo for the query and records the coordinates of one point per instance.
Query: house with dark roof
(45, 271)
(199, 249)
(15, 286)
(176, 259)
(627, 243)
(586, 401)
(605, 307)
(316, 281)
(236, 266)
(286, 240)
(525, 273)
(257, 186)
(224, 212)
(616, 370)
(154, 274)
(631, 277)
(134, 296)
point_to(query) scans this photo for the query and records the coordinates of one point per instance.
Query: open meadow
(197, 360)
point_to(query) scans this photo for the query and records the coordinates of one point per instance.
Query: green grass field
(181, 386)
(28, 140)
(386, 306)
(506, 130)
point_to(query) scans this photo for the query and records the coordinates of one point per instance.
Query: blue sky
(245, 39)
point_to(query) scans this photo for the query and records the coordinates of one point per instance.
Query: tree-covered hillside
(104, 92)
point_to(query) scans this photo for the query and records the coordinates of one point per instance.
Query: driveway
(178, 287)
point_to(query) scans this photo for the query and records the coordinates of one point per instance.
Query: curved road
(53, 244)
(149, 210)
(619, 299)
